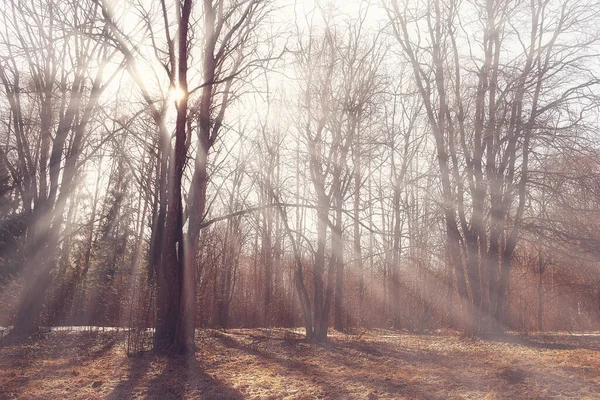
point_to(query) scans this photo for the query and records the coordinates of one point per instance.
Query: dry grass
(274, 364)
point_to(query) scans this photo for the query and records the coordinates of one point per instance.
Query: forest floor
(273, 364)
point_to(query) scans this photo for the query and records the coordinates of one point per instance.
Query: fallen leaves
(276, 364)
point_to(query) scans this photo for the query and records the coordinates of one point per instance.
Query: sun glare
(177, 94)
(299, 199)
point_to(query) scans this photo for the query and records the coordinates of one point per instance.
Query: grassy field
(273, 364)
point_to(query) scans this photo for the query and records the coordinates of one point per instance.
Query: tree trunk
(318, 272)
(540, 292)
(337, 245)
(175, 280)
(540, 295)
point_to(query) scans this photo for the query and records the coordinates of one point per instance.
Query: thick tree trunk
(173, 331)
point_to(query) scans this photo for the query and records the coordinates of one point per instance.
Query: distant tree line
(252, 163)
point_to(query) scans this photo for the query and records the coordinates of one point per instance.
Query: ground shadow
(335, 383)
(253, 349)
(405, 366)
(181, 376)
(548, 341)
(26, 359)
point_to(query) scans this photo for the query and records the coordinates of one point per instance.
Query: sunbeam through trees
(186, 177)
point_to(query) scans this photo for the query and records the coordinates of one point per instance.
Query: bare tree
(66, 75)
(484, 147)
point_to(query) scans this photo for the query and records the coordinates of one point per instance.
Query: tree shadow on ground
(26, 360)
(295, 356)
(340, 368)
(253, 349)
(381, 350)
(180, 376)
(288, 357)
(548, 341)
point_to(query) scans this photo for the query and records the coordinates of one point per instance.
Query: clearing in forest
(275, 364)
